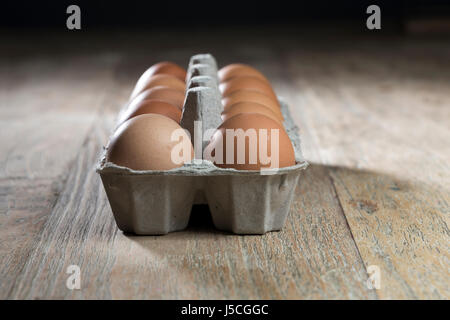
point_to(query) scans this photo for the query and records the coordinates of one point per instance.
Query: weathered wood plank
(48, 104)
(380, 123)
(24, 207)
(401, 227)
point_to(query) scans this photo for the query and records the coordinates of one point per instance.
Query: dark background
(209, 14)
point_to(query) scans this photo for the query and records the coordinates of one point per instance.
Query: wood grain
(377, 192)
(402, 227)
(382, 126)
(48, 104)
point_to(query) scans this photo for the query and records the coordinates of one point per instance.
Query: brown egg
(152, 106)
(166, 94)
(164, 80)
(261, 149)
(250, 107)
(249, 83)
(163, 68)
(238, 70)
(144, 143)
(251, 96)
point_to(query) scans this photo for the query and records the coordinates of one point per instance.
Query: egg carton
(153, 202)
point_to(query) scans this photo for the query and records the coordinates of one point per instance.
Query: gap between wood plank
(348, 225)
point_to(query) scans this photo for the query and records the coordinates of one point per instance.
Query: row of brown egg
(251, 103)
(143, 140)
(159, 90)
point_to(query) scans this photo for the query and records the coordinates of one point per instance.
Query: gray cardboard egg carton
(244, 202)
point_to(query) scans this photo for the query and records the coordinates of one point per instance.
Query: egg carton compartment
(153, 202)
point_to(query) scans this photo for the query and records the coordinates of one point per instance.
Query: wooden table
(374, 114)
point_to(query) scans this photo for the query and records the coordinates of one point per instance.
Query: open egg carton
(243, 202)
